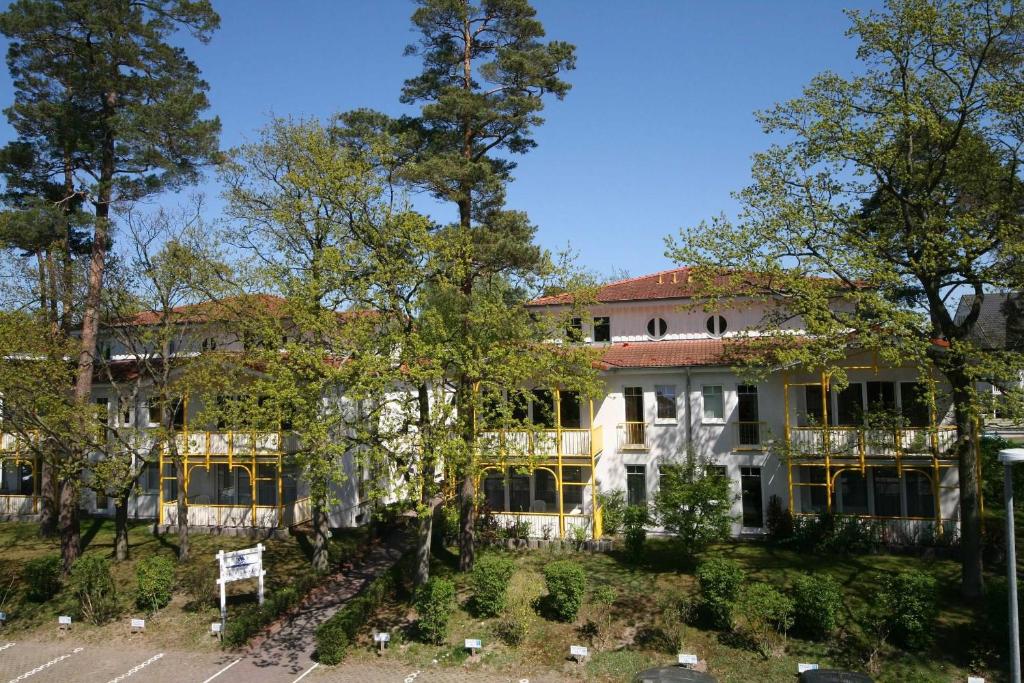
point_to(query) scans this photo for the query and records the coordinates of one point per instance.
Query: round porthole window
(716, 326)
(656, 328)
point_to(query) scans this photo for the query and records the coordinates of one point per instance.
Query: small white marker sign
(975, 679)
(687, 660)
(138, 625)
(64, 621)
(381, 637)
(215, 627)
(800, 668)
(3, 617)
(578, 651)
(473, 644)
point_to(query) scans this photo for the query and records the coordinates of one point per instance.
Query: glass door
(750, 494)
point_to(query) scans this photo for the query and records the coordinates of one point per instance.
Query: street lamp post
(1009, 457)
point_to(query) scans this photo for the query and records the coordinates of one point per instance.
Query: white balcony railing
(854, 441)
(633, 436)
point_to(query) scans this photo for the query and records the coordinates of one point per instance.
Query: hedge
(335, 636)
(248, 621)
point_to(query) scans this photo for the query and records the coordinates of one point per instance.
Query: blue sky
(656, 132)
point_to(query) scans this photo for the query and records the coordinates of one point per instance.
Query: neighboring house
(1000, 327)
(671, 389)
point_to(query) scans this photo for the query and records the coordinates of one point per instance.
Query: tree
(892, 191)
(694, 503)
(486, 72)
(115, 112)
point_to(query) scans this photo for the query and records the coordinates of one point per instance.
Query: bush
(835, 534)
(763, 616)
(335, 636)
(778, 521)
(94, 587)
(435, 602)
(905, 608)
(489, 582)
(200, 584)
(566, 582)
(613, 510)
(719, 580)
(635, 519)
(694, 503)
(817, 601)
(248, 621)
(155, 577)
(514, 625)
(42, 578)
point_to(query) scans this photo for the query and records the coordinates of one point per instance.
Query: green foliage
(93, 584)
(694, 503)
(604, 596)
(42, 577)
(993, 471)
(435, 603)
(249, 620)
(334, 637)
(566, 583)
(635, 521)
(613, 510)
(817, 602)
(719, 580)
(155, 578)
(489, 583)
(904, 608)
(763, 616)
(200, 584)
(835, 534)
(513, 625)
(778, 521)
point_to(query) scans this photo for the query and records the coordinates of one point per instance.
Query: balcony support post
(280, 479)
(787, 436)
(252, 483)
(558, 452)
(594, 512)
(826, 442)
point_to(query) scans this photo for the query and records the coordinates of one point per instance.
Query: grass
(635, 633)
(184, 623)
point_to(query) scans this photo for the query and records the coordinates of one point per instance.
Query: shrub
(514, 625)
(94, 587)
(719, 580)
(200, 584)
(905, 608)
(817, 601)
(489, 582)
(605, 596)
(42, 578)
(155, 577)
(566, 582)
(778, 521)
(335, 636)
(435, 602)
(248, 621)
(635, 519)
(694, 503)
(763, 616)
(613, 509)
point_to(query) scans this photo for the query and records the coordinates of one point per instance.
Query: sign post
(239, 565)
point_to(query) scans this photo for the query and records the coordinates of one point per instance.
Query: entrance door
(750, 493)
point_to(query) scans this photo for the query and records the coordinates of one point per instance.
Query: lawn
(634, 633)
(185, 622)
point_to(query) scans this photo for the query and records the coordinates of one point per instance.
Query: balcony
(857, 442)
(633, 436)
(544, 443)
(202, 514)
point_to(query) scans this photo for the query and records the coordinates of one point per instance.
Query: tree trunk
(182, 508)
(48, 503)
(121, 528)
(321, 537)
(423, 540)
(467, 523)
(70, 534)
(425, 531)
(972, 579)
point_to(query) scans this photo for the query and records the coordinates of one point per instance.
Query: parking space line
(306, 672)
(6, 645)
(135, 669)
(222, 671)
(43, 667)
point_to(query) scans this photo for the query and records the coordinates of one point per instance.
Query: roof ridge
(643, 277)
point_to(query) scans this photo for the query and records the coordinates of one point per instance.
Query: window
(125, 412)
(149, 478)
(103, 411)
(233, 485)
(665, 396)
(881, 396)
(602, 329)
(155, 415)
(170, 482)
(920, 501)
(914, 404)
(656, 328)
(714, 408)
(887, 492)
(850, 405)
(543, 408)
(634, 403)
(545, 491)
(747, 414)
(812, 489)
(15, 478)
(289, 483)
(266, 484)
(494, 491)
(716, 325)
(569, 409)
(636, 484)
(718, 471)
(574, 330)
(572, 492)
(210, 344)
(518, 492)
(812, 405)
(852, 489)
(751, 497)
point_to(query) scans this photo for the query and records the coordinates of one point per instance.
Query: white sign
(577, 651)
(215, 627)
(63, 621)
(473, 644)
(800, 668)
(687, 660)
(138, 624)
(975, 679)
(381, 637)
(239, 565)
(3, 617)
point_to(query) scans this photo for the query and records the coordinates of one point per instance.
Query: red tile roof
(661, 354)
(230, 308)
(667, 284)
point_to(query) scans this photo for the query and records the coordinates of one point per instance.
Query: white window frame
(675, 404)
(703, 405)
